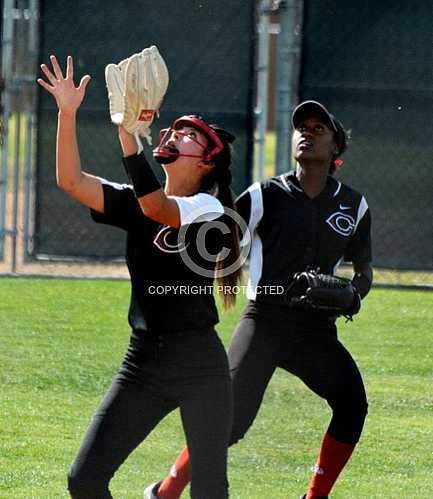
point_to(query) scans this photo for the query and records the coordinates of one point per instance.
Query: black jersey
(292, 232)
(167, 294)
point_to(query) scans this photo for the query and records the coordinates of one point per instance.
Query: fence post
(30, 139)
(6, 77)
(287, 80)
(262, 70)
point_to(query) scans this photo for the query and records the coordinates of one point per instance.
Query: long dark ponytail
(218, 181)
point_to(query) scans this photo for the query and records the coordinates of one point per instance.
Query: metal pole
(16, 190)
(6, 76)
(261, 110)
(29, 168)
(286, 49)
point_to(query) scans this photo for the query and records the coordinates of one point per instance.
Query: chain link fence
(209, 50)
(369, 62)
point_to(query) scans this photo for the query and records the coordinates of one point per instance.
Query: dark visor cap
(312, 108)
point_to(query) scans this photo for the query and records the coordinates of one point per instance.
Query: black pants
(188, 370)
(268, 337)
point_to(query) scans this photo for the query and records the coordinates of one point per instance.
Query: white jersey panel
(201, 207)
(362, 208)
(256, 252)
(256, 212)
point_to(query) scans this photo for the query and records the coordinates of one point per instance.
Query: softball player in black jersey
(175, 358)
(300, 220)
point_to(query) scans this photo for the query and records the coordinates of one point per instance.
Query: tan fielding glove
(136, 87)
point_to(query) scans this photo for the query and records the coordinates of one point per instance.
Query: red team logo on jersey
(341, 223)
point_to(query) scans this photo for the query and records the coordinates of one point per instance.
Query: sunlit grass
(63, 340)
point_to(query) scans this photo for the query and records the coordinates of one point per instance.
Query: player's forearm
(161, 208)
(68, 166)
(153, 201)
(127, 142)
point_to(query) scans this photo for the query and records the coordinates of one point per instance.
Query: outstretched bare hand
(68, 96)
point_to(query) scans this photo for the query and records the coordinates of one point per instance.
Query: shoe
(151, 491)
(321, 497)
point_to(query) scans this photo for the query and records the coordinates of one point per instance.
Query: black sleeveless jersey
(292, 232)
(168, 293)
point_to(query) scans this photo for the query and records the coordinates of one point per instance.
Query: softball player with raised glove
(303, 224)
(175, 358)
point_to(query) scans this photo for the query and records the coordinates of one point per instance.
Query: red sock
(179, 477)
(332, 459)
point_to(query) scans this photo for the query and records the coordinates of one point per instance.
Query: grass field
(62, 341)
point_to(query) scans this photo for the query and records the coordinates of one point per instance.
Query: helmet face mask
(163, 153)
(166, 154)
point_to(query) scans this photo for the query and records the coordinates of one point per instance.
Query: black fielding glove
(312, 291)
